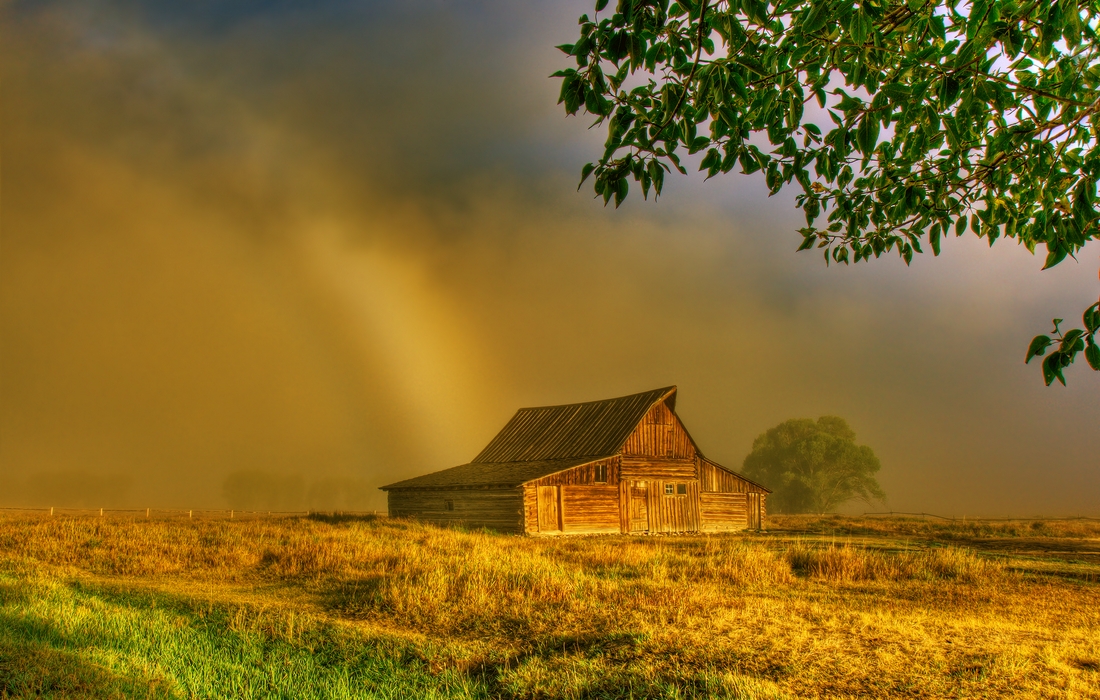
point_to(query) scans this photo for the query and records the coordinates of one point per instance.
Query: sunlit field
(349, 607)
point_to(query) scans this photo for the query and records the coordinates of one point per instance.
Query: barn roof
(544, 440)
(594, 428)
(490, 474)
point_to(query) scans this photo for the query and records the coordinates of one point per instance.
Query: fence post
(51, 510)
(147, 512)
(188, 514)
(101, 512)
(230, 514)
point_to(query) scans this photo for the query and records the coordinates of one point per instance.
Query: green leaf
(622, 187)
(698, 144)
(816, 18)
(1072, 343)
(1057, 253)
(738, 86)
(810, 238)
(1091, 318)
(1052, 369)
(1038, 347)
(1092, 355)
(867, 133)
(585, 172)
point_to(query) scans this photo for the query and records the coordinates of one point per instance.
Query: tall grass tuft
(846, 563)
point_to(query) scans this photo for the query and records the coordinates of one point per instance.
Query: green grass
(72, 640)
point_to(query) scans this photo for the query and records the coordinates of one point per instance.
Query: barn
(623, 465)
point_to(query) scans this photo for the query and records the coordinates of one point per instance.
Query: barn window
(449, 505)
(681, 489)
(601, 473)
(670, 489)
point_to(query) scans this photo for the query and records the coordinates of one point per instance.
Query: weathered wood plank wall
(660, 434)
(499, 509)
(642, 468)
(590, 508)
(530, 509)
(716, 479)
(723, 511)
(584, 474)
(672, 512)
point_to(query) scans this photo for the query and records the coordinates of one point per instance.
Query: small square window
(449, 505)
(670, 489)
(601, 474)
(681, 489)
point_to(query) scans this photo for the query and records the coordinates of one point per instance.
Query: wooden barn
(625, 465)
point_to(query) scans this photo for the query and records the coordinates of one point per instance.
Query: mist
(272, 256)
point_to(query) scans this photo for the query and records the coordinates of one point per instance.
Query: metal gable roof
(594, 428)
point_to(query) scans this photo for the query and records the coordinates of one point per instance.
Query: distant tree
(813, 466)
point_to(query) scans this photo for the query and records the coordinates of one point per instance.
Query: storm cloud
(282, 248)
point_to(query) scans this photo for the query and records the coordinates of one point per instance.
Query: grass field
(345, 607)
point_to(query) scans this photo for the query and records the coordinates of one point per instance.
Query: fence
(952, 519)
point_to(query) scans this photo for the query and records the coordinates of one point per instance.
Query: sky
(277, 254)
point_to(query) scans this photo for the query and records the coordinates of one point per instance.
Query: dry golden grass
(943, 529)
(815, 608)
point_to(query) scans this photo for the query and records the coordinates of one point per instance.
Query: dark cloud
(267, 248)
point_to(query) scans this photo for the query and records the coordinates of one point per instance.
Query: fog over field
(275, 254)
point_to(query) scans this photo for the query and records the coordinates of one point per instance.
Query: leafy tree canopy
(813, 466)
(899, 121)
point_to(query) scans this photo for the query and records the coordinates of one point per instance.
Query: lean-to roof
(490, 474)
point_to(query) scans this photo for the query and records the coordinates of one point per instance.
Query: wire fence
(185, 513)
(894, 513)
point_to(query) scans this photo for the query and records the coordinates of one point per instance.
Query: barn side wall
(725, 500)
(498, 509)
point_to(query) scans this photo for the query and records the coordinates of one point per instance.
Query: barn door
(753, 511)
(639, 512)
(549, 508)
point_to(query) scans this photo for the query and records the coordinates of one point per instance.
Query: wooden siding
(714, 478)
(498, 509)
(640, 468)
(660, 434)
(584, 474)
(723, 511)
(590, 508)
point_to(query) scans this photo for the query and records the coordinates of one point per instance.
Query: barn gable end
(625, 465)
